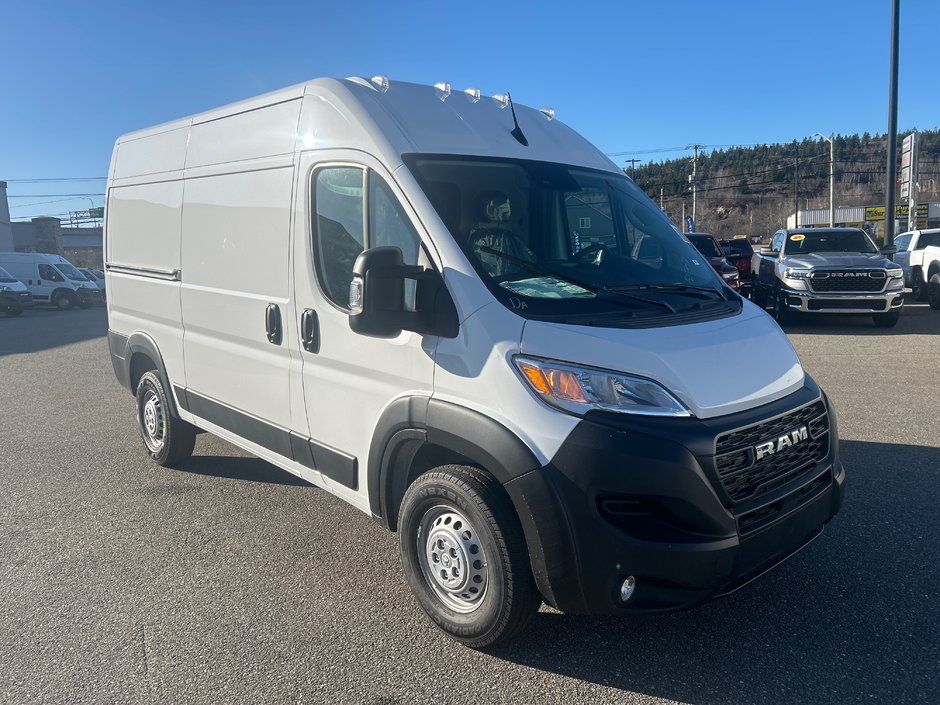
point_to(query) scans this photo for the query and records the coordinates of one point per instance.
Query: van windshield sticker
(546, 288)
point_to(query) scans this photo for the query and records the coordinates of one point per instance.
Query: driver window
(49, 272)
(389, 226)
(777, 242)
(338, 229)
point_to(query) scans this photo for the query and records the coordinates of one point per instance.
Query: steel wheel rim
(152, 422)
(452, 559)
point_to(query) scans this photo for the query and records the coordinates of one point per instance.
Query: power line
(53, 195)
(67, 178)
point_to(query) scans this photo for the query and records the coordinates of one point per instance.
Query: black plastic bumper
(15, 300)
(87, 297)
(627, 496)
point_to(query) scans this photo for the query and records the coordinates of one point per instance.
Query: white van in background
(14, 296)
(51, 279)
(459, 316)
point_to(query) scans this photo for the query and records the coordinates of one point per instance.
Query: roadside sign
(901, 210)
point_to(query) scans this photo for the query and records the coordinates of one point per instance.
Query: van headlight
(578, 390)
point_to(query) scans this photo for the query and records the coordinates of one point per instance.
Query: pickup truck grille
(848, 280)
(744, 477)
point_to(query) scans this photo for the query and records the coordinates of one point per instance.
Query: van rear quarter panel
(144, 232)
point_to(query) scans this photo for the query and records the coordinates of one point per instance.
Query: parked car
(463, 319)
(739, 252)
(834, 270)
(910, 256)
(14, 296)
(709, 247)
(51, 279)
(97, 277)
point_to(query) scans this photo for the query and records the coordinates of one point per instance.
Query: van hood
(836, 259)
(14, 285)
(715, 367)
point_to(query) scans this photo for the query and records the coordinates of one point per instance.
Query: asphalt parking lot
(230, 581)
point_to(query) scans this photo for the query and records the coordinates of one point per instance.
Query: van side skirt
(331, 463)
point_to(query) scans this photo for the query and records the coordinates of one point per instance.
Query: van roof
(388, 119)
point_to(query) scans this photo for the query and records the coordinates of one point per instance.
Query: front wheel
(13, 312)
(781, 313)
(933, 292)
(465, 556)
(167, 438)
(65, 301)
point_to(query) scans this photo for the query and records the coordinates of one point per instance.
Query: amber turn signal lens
(565, 385)
(536, 378)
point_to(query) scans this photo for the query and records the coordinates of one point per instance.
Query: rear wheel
(168, 439)
(887, 320)
(465, 556)
(933, 292)
(918, 286)
(65, 300)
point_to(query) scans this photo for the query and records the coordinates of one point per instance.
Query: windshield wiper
(546, 272)
(682, 288)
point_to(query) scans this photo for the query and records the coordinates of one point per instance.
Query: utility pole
(892, 127)
(694, 182)
(832, 180)
(633, 167)
(796, 189)
(661, 200)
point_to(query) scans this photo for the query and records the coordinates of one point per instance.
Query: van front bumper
(642, 497)
(15, 300)
(811, 302)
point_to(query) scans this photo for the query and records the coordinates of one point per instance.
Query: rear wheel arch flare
(143, 355)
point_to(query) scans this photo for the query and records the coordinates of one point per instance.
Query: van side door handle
(310, 330)
(272, 323)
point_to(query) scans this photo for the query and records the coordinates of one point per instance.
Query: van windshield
(70, 271)
(555, 240)
(5, 277)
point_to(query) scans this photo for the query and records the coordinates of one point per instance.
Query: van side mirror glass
(377, 297)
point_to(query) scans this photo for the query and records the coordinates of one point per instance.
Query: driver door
(349, 203)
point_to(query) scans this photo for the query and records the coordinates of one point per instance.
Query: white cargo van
(14, 296)
(459, 316)
(51, 279)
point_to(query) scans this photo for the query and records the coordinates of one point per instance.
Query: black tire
(13, 312)
(438, 504)
(933, 292)
(918, 286)
(65, 300)
(887, 320)
(168, 439)
(759, 297)
(781, 313)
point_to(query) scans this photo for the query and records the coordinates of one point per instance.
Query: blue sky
(631, 76)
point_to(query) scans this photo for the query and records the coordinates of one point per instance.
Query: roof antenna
(516, 131)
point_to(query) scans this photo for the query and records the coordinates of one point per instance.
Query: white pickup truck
(914, 260)
(929, 260)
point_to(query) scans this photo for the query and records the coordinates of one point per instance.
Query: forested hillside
(750, 190)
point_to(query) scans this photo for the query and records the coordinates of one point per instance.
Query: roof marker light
(474, 94)
(548, 112)
(502, 100)
(381, 82)
(443, 90)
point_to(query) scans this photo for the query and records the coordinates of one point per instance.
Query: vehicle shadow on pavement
(43, 328)
(239, 468)
(916, 319)
(851, 618)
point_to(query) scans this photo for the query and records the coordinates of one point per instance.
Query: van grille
(744, 477)
(839, 280)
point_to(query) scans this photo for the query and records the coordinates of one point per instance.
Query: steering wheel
(597, 250)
